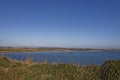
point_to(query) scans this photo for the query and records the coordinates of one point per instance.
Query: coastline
(10, 50)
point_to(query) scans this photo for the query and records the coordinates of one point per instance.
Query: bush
(4, 62)
(110, 70)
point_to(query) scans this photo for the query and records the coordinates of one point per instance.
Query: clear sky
(60, 23)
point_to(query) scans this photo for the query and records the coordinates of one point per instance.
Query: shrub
(110, 70)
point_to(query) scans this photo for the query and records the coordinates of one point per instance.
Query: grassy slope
(14, 70)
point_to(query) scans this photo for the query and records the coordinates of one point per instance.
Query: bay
(77, 58)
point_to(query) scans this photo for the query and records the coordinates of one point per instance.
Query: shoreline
(14, 49)
(52, 51)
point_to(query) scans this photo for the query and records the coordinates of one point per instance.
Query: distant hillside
(15, 49)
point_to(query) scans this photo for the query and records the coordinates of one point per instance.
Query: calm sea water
(79, 58)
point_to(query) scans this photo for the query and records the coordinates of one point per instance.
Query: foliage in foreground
(14, 70)
(110, 70)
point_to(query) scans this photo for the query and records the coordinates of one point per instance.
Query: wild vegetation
(28, 70)
(110, 70)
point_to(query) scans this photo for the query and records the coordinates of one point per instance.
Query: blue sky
(60, 23)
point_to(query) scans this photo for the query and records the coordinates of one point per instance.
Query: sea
(84, 58)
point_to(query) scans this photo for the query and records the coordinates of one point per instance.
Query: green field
(28, 70)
